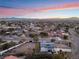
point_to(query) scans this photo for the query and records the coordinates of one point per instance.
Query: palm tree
(35, 38)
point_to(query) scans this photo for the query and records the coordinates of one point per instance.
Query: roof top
(11, 57)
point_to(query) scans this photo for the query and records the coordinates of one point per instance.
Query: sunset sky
(39, 8)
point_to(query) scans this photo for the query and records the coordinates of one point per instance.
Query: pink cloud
(18, 12)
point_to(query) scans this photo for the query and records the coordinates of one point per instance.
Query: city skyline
(39, 8)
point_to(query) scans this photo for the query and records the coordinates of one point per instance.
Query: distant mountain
(73, 18)
(48, 19)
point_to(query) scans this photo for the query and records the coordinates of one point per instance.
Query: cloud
(61, 7)
(1, 6)
(8, 11)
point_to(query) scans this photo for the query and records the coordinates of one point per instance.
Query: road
(75, 44)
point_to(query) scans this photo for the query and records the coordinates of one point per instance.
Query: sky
(39, 8)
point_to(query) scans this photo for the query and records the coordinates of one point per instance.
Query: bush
(32, 35)
(58, 56)
(39, 56)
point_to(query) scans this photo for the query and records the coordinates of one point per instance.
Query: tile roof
(11, 57)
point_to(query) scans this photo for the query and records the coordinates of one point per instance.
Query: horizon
(38, 18)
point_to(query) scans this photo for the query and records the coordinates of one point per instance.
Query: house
(46, 46)
(57, 38)
(62, 47)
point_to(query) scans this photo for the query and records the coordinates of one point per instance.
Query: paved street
(75, 44)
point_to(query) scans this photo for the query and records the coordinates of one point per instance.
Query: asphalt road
(75, 44)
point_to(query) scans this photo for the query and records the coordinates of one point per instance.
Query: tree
(43, 34)
(52, 40)
(2, 22)
(65, 37)
(34, 36)
(12, 43)
(66, 29)
(8, 45)
(70, 44)
(77, 30)
(5, 46)
(37, 47)
(10, 29)
(2, 32)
